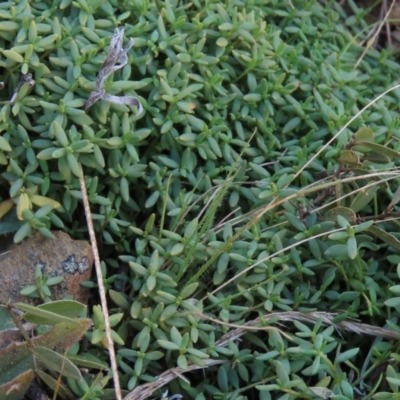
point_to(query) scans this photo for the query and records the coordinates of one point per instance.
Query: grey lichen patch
(72, 266)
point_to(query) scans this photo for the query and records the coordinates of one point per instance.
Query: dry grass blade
(311, 188)
(102, 291)
(351, 120)
(258, 213)
(313, 317)
(144, 391)
(375, 35)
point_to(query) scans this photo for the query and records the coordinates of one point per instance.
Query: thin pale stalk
(100, 283)
(343, 128)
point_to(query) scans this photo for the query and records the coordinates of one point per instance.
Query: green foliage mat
(217, 174)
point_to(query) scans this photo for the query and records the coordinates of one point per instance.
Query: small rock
(61, 256)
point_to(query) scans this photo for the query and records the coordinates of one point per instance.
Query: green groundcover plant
(227, 186)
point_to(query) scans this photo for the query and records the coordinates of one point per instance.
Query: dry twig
(102, 291)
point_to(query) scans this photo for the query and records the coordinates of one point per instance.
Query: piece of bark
(61, 256)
